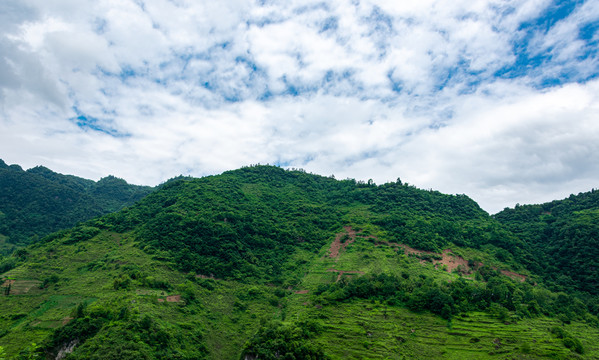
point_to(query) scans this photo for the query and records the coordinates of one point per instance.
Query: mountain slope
(565, 236)
(266, 263)
(251, 220)
(38, 201)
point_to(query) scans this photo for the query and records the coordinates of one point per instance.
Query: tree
(277, 340)
(7, 287)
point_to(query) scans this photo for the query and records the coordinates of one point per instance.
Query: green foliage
(568, 340)
(7, 263)
(203, 266)
(245, 224)
(277, 340)
(498, 295)
(37, 202)
(188, 292)
(82, 233)
(574, 344)
(153, 283)
(52, 279)
(101, 333)
(31, 352)
(121, 282)
(563, 235)
(235, 226)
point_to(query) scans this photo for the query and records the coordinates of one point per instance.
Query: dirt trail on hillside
(408, 250)
(453, 261)
(513, 275)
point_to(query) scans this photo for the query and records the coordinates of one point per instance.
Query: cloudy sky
(496, 99)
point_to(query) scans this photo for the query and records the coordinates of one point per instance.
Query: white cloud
(536, 141)
(370, 89)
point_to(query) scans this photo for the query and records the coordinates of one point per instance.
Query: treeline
(496, 294)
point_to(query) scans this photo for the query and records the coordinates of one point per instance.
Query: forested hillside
(264, 263)
(38, 201)
(564, 236)
(245, 224)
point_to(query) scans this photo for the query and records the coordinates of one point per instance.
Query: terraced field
(365, 330)
(227, 314)
(370, 330)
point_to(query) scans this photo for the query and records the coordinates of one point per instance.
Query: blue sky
(496, 99)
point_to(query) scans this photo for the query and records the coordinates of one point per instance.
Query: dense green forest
(266, 263)
(245, 224)
(37, 202)
(564, 236)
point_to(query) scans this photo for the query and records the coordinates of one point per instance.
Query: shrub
(573, 344)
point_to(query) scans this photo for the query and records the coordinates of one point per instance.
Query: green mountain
(37, 202)
(564, 235)
(263, 263)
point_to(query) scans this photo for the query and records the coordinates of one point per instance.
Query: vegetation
(272, 264)
(37, 202)
(498, 295)
(564, 237)
(277, 340)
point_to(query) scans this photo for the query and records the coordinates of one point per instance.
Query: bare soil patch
(452, 262)
(513, 275)
(409, 250)
(302, 291)
(337, 245)
(173, 298)
(170, 298)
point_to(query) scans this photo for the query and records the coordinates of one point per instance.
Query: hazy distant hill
(264, 263)
(38, 201)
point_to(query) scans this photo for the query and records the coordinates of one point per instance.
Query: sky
(495, 99)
